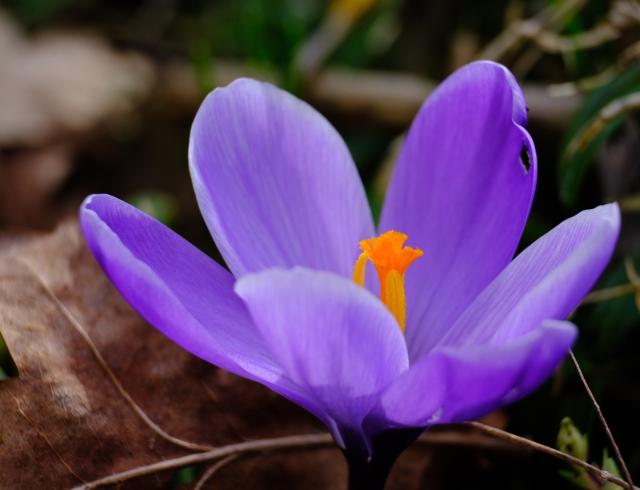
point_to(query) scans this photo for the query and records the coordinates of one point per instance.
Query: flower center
(391, 259)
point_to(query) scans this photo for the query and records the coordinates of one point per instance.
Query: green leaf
(609, 465)
(571, 441)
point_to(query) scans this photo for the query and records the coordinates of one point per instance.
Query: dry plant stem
(556, 21)
(536, 446)
(212, 470)
(307, 441)
(513, 37)
(630, 270)
(622, 15)
(103, 364)
(618, 291)
(551, 42)
(609, 293)
(605, 425)
(608, 113)
(582, 85)
(312, 441)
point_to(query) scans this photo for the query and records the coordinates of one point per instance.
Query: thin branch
(552, 42)
(532, 54)
(596, 406)
(545, 37)
(555, 453)
(213, 469)
(103, 364)
(307, 441)
(631, 272)
(609, 293)
(281, 444)
(586, 84)
(613, 292)
(608, 113)
(340, 19)
(314, 441)
(512, 38)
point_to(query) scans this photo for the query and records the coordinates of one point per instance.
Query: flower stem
(367, 476)
(369, 470)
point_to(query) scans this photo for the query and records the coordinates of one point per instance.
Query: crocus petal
(329, 335)
(181, 291)
(461, 193)
(275, 182)
(454, 384)
(547, 280)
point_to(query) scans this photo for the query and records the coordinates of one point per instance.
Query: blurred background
(98, 96)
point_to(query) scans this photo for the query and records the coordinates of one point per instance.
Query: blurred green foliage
(160, 205)
(32, 12)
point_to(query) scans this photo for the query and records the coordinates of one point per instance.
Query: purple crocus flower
(440, 338)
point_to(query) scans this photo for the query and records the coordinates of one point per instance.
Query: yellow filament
(391, 259)
(393, 296)
(359, 270)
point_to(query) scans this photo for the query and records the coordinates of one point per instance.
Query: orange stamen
(391, 259)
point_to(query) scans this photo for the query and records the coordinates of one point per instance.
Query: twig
(307, 441)
(213, 469)
(278, 444)
(512, 38)
(622, 15)
(557, 20)
(536, 446)
(312, 441)
(633, 286)
(555, 43)
(630, 270)
(603, 421)
(103, 364)
(582, 85)
(609, 293)
(340, 19)
(608, 113)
